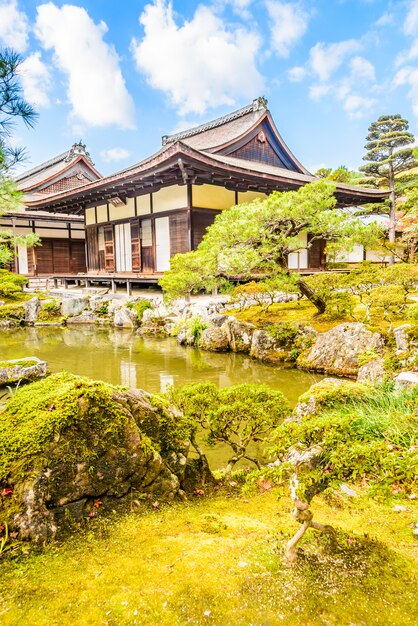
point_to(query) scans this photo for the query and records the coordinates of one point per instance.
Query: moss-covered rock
(26, 370)
(328, 393)
(68, 443)
(338, 350)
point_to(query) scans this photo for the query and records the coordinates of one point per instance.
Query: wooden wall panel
(92, 250)
(77, 257)
(136, 246)
(200, 222)
(316, 254)
(109, 251)
(179, 233)
(44, 264)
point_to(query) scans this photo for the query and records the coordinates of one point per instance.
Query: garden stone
(371, 372)
(309, 407)
(87, 317)
(27, 370)
(264, 347)
(32, 307)
(123, 318)
(240, 334)
(407, 378)
(401, 337)
(214, 339)
(217, 319)
(337, 351)
(72, 307)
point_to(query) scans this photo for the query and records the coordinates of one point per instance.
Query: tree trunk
(392, 215)
(309, 293)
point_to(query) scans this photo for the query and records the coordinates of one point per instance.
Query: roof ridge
(256, 105)
(76, 150)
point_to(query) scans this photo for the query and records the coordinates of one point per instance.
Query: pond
(124, 358)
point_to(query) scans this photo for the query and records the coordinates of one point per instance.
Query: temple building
(138, 218)
(62, 236)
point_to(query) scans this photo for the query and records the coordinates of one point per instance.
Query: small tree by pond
(236, 416)
(359, 434)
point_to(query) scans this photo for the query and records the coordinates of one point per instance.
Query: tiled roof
(223, 129)
(54, 166)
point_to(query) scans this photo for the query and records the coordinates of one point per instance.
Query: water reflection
(122, 357)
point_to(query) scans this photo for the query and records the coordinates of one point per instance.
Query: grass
(218, 561)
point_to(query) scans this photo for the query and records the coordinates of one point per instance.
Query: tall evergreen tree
(13, 107)
(388, 157)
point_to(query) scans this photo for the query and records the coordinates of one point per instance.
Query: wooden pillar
(128, 287)
(113, 286)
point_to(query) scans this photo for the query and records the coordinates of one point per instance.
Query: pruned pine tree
(388, 156)
(13, 107)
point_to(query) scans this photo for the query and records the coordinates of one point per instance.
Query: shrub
(140, 307)
(15, 312)
(50, 310)
(11, 284)
(196, 325)
(233, 415)
(412, 312)
(284, 333)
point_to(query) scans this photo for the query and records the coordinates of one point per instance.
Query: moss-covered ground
(218, 561)
(305, 313)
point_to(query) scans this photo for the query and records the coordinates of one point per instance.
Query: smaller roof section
(65, 171)
(248, 133)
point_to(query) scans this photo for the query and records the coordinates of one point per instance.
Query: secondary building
(138, 218)
(62, 236)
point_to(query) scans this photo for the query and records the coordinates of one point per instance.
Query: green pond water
(123, 358)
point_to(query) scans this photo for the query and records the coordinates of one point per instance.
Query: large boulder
(71, 448)
(73, 306)
(337, 351)
(265, 347)
(124, 318)
(240, 334)
(214, 339)
(32, 307)
(26, 370)
(371, 372)
(401, 337)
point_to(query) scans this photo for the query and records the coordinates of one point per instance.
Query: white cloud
(385, 20)
(411, 20)
(36, 80)
(316, 92)
(96, 87)
(289, 22)
(362, 69)
(409, 76)
(325, 59)
(296, 74)
(357, 106)
(14, 27)
(240, 7)
(114, 154)
(344, 90)
(200, 64)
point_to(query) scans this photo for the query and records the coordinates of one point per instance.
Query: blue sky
(118, 75)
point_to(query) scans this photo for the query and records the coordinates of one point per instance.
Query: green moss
(14, 312)
(327, 394)
(50, 311)
(140, 307)
(17, 362)
(79, 413)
